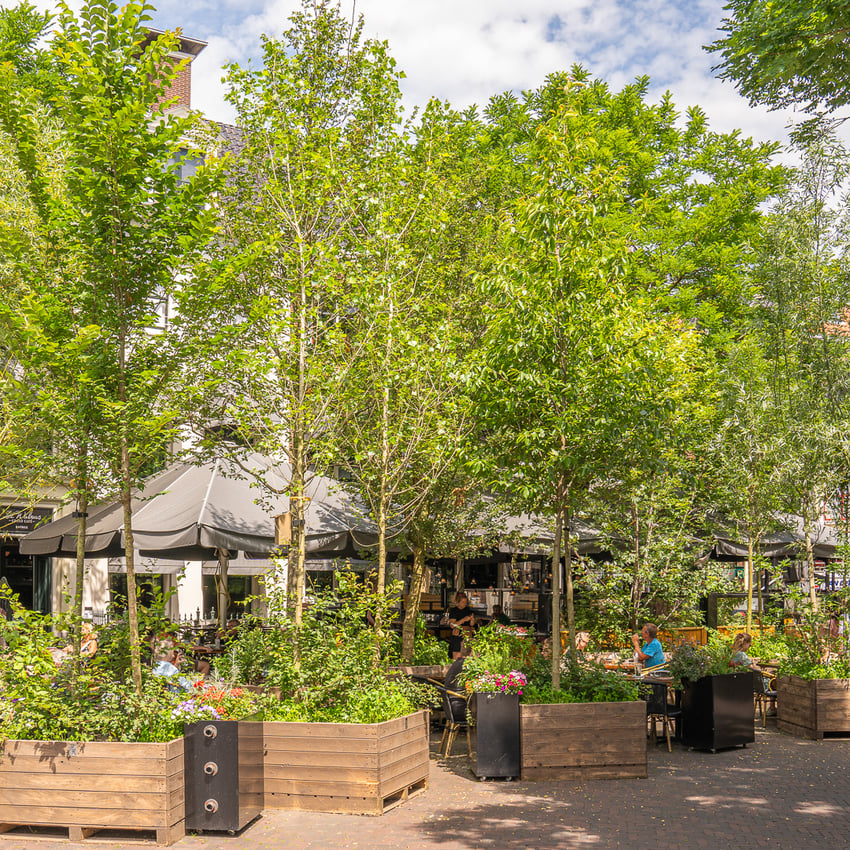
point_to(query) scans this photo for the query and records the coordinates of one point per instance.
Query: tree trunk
(568, 579)
(129, 555)
(127, 505)
(636, 583)
(414, 597)
(810, 564)
(556, 600)
(79, 580)
(749, 582)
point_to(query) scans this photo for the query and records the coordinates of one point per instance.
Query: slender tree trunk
(636, 582)
(381, 585)
(749, 582)
(810, 564)
(129, 557)
(568, 580)
(414, 598)
(129, 547)
(759, 573)
(299, 461)
(383, 497)
(79, 580)
(556, 598)
(80, 575)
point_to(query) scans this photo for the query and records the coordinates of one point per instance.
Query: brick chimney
(188, 49)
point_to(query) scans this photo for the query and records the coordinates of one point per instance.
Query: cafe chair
(763, 694)
(659, 708)
(455, 709)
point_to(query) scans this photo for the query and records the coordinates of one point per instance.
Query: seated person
(740, 645)
(582, 641)
(167, 660)
(452, 684)
(88, 646)
(650, 654)
(500, 617)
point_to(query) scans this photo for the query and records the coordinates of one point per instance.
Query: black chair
(659, 707)
(454, 707)
(763, 694)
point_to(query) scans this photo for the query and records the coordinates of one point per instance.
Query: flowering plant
(500, 683)
(689, 662)
(516, 631)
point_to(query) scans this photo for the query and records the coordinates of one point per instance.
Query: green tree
(121, 229)
(787, 52)
(323, 105)
(804, 289)
(412, 330)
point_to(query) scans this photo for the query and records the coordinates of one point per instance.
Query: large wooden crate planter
(88, 786)
(356, 768)
(813, 708)
(585, 740)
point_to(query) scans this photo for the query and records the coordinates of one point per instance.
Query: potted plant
(813, 681)
(493, 677)
(346, 735)
(592, 727)
(80, 748)
(717, 697)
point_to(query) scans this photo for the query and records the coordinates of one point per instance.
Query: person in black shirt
(461, 619)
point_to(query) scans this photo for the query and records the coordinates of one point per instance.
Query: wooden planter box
(423, 671)
(353, 768)
(812, 708)
(585, 740)
(88, 786)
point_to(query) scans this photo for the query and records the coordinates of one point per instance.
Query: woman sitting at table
(650, 654)
(740, 645)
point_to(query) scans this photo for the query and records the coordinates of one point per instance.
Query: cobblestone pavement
(781, 792)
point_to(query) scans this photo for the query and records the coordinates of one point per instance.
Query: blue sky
(466, 50)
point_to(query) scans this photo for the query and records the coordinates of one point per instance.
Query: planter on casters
(717, 712)
(495, 735)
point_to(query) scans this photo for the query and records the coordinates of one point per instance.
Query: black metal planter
(717, 712)
(495, 735)
(223, 765)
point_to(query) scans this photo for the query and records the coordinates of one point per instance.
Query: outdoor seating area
(447, 456)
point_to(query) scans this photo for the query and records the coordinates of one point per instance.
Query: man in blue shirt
(650, 654)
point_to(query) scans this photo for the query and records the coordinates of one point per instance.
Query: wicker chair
(455, 709)
(763, 694)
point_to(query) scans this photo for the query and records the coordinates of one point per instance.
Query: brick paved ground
(781, 792)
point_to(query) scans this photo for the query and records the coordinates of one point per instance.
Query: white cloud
(464, 51)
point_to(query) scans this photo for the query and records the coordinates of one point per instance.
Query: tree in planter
(578, 365)
(45, 339)
(652, 520)
(126, 225)
(803, 286)
(274, 308)
(410, 334)
(750, 455)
